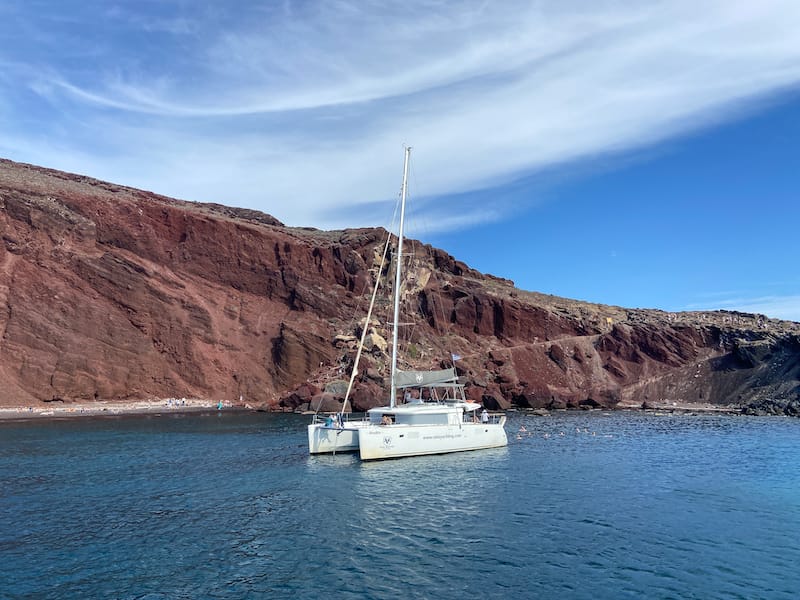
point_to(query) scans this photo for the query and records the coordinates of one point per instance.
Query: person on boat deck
(484, 416)
(329, 421)
(386, 420)
(407, 396)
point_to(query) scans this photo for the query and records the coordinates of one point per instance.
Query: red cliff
(111, 293)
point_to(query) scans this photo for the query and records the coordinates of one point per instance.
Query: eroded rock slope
(111, 293)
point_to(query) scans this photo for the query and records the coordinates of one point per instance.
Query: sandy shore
(54, 410)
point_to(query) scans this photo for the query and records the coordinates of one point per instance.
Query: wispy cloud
(302, 108)
(778, 307)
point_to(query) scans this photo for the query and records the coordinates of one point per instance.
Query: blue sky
(638, 154)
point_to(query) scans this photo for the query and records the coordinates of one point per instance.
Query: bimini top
(424, 408)
(406, 379)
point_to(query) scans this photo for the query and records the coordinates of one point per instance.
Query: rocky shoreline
(183, 405)
(769, 407)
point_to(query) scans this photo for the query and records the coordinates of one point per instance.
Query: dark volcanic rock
(790, 408)
(108, 292)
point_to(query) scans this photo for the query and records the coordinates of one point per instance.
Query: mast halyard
(397, 280)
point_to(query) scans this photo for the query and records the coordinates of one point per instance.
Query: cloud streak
(301, 109)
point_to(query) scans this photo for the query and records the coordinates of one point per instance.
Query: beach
(56, 409)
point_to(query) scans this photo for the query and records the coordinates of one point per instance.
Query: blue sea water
(581, 505)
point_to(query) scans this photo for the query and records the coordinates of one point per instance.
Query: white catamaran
(438, 420)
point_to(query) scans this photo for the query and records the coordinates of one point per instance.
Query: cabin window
(383, 419)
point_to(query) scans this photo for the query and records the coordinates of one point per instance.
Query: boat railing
(494, 418)
(345, 418)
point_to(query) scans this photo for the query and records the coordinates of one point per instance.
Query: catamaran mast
(397, 279)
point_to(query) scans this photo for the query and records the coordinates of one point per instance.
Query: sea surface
(225, 505)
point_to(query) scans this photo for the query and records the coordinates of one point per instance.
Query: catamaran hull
(327, 440)
(395, 441)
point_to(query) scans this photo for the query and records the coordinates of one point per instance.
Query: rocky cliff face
(108, 292)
